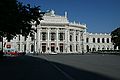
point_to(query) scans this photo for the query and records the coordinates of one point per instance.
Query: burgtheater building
(57, 34)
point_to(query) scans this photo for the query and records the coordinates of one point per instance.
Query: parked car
(10, 51)
(54, 53)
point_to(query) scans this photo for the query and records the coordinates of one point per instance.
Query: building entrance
(43, 47)
(52, 47)
(61, 47)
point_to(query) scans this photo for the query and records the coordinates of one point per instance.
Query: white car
(53, 53)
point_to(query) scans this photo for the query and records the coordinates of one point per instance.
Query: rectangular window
(61, 36)
(93, 40)
(76, 38)
(87, 40)
(19, 37)
(53, 36)
(43, 35)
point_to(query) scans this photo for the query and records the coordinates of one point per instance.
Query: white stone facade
(95, 42)
(57, 34)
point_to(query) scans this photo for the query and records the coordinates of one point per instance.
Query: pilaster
(74, 40)
(79, 40)
(57, 39)
(48, 40)
(38, 40)
(68, 40)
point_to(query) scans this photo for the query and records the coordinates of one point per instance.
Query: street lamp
(82, 32)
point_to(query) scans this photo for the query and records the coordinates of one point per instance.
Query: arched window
(87, 47)
(71, 48)
(98, 40)
(87, 40)
(70, 37)
(93, 40)
(103, 40)
(32, 37)
(32, 48)
(107, 40)
(76, 38)
(24, 47)
(19, 37)
(77, 47)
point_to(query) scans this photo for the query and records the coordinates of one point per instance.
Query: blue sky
(101, 16)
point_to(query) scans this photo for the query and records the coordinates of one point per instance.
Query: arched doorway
(32, 48)
(52, 47)
(43, 47)
(87, 48)
(24, 47)
(61, 47)
(70, 48)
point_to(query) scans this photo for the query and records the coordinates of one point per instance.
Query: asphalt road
(61, 67)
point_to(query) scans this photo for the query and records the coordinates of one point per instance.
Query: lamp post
(82, 32)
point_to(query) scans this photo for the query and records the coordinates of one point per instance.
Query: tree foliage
(116, 37)
(16, 18)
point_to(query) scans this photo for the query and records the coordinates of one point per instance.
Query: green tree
(116, 37)
(16, 18)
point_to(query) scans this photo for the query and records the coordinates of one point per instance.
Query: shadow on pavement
(32, 68)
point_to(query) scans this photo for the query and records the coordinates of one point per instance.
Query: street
(60, 67)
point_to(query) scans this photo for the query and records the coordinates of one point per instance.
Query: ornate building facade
(57, 34)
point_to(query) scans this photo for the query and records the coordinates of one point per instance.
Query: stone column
(48, 41)
(27, 44)
(74, 40)
(105, 40)
(57, 39)
(35, 42)
(79, 40)
(38, 40)
(68, 40)
(21, 46)
(14, 43)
